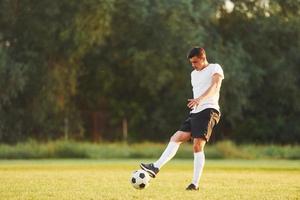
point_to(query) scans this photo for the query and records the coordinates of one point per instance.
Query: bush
(73, 149)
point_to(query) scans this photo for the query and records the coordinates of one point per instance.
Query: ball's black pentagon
(142, 175)
(133, 180)
(142, 185)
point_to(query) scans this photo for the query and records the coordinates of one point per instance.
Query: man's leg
(169, 152)
(199, 159)
(172, 147)
(202, 124)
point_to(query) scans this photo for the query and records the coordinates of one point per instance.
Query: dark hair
(196, 51)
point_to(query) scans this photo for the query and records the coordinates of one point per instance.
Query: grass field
(109, 179)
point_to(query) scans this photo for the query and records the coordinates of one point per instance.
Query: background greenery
(71, 149)
(111, 70)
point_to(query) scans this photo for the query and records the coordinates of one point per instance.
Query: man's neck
(204, 66)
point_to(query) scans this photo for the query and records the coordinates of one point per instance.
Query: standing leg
(202, 124)
(199, 160)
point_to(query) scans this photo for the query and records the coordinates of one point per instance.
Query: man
(206, 81)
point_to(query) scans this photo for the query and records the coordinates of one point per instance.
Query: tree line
(112, 69)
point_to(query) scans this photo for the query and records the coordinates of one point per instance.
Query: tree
(12, 83)
(140, 74)
(51, 37)
(269, 34)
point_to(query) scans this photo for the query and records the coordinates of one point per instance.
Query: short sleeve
(217, 69)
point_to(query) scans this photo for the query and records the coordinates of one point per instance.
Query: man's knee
(198, 145)
(173, 138)
(180, 136)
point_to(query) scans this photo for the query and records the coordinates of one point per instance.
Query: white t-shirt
(201, 81)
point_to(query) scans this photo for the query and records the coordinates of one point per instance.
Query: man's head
(197, 58)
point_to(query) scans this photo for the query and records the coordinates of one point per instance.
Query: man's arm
(211, 91)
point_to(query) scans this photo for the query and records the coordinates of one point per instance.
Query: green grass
(109, 179)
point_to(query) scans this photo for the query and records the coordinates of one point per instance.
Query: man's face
(198, 63)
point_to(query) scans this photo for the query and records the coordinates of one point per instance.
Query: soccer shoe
(150, 169)
(192, 187)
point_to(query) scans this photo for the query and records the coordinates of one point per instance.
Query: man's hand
(192, 103)
(212, 90)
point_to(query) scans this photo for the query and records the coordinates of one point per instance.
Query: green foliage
(62, 62)
(72, 149)
(142, 70)
(269, 35)
(51, 37)
(12, 83)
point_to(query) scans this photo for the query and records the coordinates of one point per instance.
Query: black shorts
(201, 124)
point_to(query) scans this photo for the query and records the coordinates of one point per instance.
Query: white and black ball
(140, 179)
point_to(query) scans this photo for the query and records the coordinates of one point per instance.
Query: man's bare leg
(168, 154)
(172, 148)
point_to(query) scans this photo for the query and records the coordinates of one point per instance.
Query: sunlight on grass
(109, 179)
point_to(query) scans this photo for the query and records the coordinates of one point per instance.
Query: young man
(206, 81)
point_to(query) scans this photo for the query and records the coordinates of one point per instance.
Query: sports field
(109, 179)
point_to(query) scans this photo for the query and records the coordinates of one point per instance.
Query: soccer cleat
(150, 169)
(192, 187)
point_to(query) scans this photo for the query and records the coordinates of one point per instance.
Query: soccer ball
(140, 179)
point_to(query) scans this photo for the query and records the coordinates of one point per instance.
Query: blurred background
(111, 70)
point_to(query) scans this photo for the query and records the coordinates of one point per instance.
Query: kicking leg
(172, 147)
(168, 153)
